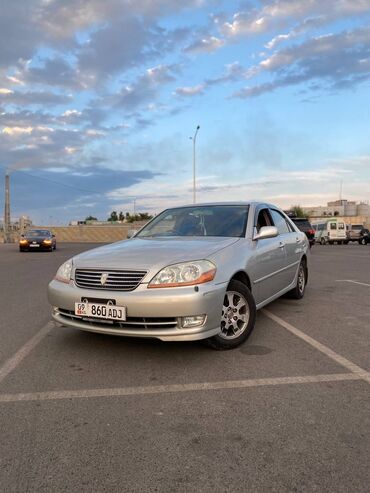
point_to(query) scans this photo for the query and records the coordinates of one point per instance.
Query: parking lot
(287, 411)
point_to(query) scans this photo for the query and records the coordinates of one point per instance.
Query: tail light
(311, 231)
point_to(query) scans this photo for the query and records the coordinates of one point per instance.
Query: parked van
(331, 231)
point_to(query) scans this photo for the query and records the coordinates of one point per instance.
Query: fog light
(195, 321)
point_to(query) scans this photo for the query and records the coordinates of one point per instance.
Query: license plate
(33, 246)
(98, 310)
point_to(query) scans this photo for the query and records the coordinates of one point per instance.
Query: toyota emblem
(103, 278)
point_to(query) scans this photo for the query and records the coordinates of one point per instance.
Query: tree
(121, 216)
(140, 216)
(91, 218)
(113, 216)
(298, 211)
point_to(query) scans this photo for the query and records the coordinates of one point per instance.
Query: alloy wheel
(235, 315)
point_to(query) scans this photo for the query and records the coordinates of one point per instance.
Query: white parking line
(353, 282)
(175, 388)
(352, 367)
(15, 360)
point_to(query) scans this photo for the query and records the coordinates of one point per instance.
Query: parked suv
(364, 238)
(354, 232)
(305, 226)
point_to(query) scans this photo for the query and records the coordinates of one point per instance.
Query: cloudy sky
(98, 100)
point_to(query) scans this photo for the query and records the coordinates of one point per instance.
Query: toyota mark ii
(194, 272)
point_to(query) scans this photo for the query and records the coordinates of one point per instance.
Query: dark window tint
(302, 224)
(38, 232)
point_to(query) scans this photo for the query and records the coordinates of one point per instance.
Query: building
(351, 212)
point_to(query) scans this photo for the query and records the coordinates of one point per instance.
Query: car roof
(209, 204)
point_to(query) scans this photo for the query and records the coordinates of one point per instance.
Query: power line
(51, 181)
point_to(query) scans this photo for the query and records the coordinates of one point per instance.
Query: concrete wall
(86, 233)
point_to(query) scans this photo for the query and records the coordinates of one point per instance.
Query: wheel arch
(304, 259)
(243, 277)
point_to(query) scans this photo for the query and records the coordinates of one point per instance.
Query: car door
(268, 261)
(293, 241)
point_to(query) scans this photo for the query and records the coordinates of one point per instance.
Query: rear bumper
(145, 308)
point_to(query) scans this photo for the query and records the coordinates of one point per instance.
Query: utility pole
(7, 210)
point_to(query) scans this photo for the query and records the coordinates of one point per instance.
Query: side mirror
(53, 236)
(266, 232)
(131, 233)
(22, 236)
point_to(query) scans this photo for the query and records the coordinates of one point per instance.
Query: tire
(297, 292)
(322, 241)
(363, 241)
(236, 323)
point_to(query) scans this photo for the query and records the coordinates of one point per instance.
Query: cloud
(146, 87)
(53, 72)
(69, 189)
(279, 13)
(334, 61)
(118, 46)
(306, 25)
(205, 45)
(232, 72)
(26, 26)
(34, 98)
(189, 91)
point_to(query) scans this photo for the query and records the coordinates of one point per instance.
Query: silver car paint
(270, 264)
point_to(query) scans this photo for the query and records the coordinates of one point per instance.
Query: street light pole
(7, 210)
(194, 139)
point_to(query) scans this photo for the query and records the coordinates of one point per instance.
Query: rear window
(302, 223)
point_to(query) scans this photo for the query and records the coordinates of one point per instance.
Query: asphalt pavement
(287, 411)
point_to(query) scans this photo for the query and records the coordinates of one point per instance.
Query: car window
(280, 222)
(333, 226)
(220, 220)
(263, 219)
(38, 232)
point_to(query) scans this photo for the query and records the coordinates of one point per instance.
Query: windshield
(38, 232)
(216, 220)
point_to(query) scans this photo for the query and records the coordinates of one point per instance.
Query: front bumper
(151, 313)
(35, 246)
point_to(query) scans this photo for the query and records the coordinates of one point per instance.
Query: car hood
(151, 253)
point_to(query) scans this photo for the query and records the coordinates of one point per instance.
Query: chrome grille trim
(134, 323)
(117, 280)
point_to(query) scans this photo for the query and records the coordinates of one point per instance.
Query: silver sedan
(194, 272)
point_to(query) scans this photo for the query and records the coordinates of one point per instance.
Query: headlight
(47, 241)
(184, 274)
(64, 272)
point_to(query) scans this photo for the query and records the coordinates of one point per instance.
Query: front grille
(133, 323)
(112, 280)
